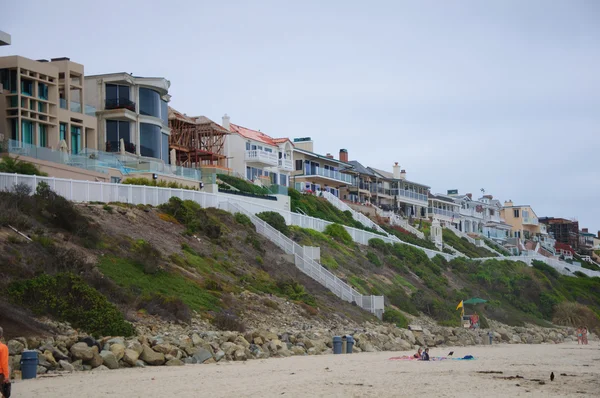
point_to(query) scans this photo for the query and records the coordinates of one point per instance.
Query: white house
(258, 156)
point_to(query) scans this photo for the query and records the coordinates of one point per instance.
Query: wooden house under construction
(198, 142)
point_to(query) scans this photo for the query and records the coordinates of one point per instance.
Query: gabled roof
(359, 168)
(390, 176)
(442, 198)
(256, 135)
(348, 166)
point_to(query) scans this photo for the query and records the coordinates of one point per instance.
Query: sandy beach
(577, 371)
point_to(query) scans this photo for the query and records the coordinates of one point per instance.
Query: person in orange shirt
(4, 370)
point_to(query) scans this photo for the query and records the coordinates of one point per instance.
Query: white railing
(443, 212)
(256, 155)
(91, 191)
(333, 174)
(530, 221)
(286, 164)
(305, 262)
(340, 205)
(404, 193)
(561, 266)
(395, 219)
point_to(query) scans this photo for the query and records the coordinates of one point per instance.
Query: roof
(256, 135)
(348, 165)
(359, 168)
(442, 198)
(390, 176)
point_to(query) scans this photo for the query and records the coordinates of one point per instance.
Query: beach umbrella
(474, 300)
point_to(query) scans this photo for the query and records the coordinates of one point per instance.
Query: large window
(27, 131)
(43, 91)
(150, 140)
(164, 112)
(150, 102)
(26, 87)
(165, 148)
(8, 79)
(42, 135)
(115, 92)
(516, 213)
(115, 131)
(63, 131)
(75, 140)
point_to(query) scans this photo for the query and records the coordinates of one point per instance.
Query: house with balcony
(44, 105)
(314, 172)
(444, 209)
(494, 227)
(361, 191)
(392, 191)
(132, 114)
(257, 156)
(522, 219)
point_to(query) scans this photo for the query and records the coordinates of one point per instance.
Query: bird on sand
(451, 353)
(552, 376)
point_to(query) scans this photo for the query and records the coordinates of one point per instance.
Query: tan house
(43, 104)
(313, 172)
(522, 219)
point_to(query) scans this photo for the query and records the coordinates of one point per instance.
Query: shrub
(339, 233)
(16, 166)
(373, 259)
(295, 291)
(190, 214)
(108, 208)
(242, 219)
(145, 254)
(393, 316)
(275, 220)
(380, 245)
(168, 218)
(576, 315)
(311, 311)
(68, 298)
(243, 185)
(270, 303)
(170, 308)
(545, 268)
(228, 321)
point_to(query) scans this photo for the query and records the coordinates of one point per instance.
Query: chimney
(508, 203)
(329, 156)
(470, 195)
(225, 123)
(403, 174)
(598, 234)
(344, 155)
(396, 171)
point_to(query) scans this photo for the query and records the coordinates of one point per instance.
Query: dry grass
(576, 315)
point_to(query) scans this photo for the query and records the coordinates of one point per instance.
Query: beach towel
(411, 358)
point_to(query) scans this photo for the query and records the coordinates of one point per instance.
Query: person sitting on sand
(425, 356)
(418, 354)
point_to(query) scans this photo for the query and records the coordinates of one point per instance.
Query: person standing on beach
(584, 333)
(4, 370)
(579, 336)
(491, 336)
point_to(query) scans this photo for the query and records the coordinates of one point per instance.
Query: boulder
(197, 340)
(118, 350)
(101, 368)
(130, 357)
(135, 346)
(219, 355)
(174, 362)
(258, 341)
(201, 355)
(42, 361)
(16, 362)
(66, 366)
(41, 370)
(15, 347)
(516, 339)
(240, 340)
(96, 358)
(166, 348)
(152, 357)
(82, 351)
(140, 364)
(77, 365)
(410, 336)
(50, 358)
(240, 355)
(109, 359)
(297, 350)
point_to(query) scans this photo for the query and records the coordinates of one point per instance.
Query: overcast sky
(502, 95)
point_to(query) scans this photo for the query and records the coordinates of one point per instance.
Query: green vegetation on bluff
(464, 246)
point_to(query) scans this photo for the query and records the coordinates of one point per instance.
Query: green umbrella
(474, 300)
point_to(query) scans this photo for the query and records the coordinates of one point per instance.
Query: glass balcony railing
(403, 193)
(75, 107)
(443, 212)
(333, 174)
(63, 104)
(90, 110)
(119, 103)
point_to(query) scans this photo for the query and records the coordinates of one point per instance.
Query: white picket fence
(305, 262)
(340, 205)
(561, 266)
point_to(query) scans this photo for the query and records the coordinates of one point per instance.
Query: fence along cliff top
(198, 141)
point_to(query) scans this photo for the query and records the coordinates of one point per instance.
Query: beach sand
(357, 375)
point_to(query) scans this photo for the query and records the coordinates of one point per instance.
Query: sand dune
(359, 375)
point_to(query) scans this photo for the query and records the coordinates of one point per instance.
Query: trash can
(344, 344)
(29, 364)
(349, 344)
(337, 345)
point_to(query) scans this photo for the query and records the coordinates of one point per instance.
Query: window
(8, 79)
(150, 102)
(268, 150)
(14, 129)
(165, 148)
(115, 131)
(283, 180)
(42, 135)
(26, 87)
(75, 140)
(150, 140)
(247, 146)
(164, 112)
(516, 213)
(115, 91)
(27, 131)
(525, 213)
(63, 131)
(298, 164)
(43, 91)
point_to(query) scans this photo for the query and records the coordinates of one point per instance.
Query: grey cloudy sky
(502, 95)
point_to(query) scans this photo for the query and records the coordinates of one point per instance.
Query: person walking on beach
(584, 339)
(4, 370)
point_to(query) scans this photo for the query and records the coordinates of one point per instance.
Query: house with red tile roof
(258, 156)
